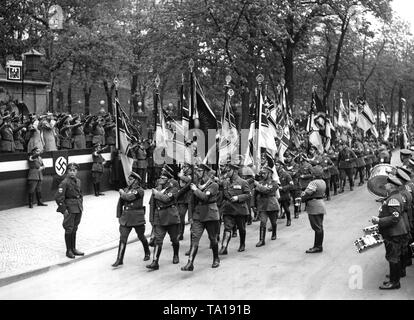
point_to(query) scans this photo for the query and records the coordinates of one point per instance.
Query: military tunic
(35, 175)
(70, 203)
(131, 212)
(7, 139)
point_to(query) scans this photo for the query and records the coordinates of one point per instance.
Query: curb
(31, 273)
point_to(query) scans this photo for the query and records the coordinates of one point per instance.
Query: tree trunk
(134, 98)
(400, 108)
(245, 108)
(87, 94)
(392, 120)
(289, 75)
(109, 93)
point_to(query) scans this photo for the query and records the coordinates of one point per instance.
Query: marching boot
(225, 243)
(288, 223)
(98, 188)
(242, 246)
(249, 219)
(30, 200)
(39, 200)
(234, 235)
(296, 213)
(262, 235)
(120, 257)
(256, 216)
(274, 229)
(176, 248)
(190, 266)
(216, 259)
(157, 252)
(68, 242)
(74, 250)
(146, 250)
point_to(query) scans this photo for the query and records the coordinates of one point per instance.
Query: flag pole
(116, 83)
(259, 80)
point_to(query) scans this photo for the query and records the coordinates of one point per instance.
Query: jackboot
(98, 187)
(74, 250)
(216, 259)
(157, 252)
(68, 242)
(39, 200)
(288, 223)
(262, 235)
(176, 248)
(225, 243)
(274, 229)
(146, 249)
(30, 200)
(190, 266)
(242, 246)
(234, 235)
(296, 213)
(394, 282)
(95, 189)
(120, 257)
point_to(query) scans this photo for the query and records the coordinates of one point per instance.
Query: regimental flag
(176, 148)
(343, 116)
(249, 154)
(161, 134)
(203, 118)
(265, 138)
(124, 139)
(229, 136)
(284, 122)
(314, 124)
(353, 112)
(366, 119)
(184, 110)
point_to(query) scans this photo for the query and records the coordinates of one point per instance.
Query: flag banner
(314, 125)
(366, 117)
(387, 132)
(175, 144)
(353, 113)
(266, 139)
(229, 136)
(124, 139)
(343, 116)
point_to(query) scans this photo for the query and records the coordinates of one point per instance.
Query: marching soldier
(286, 185)
(205, 215)
(333, 156)
(359, 162)
(70, 203)
(293, 168)
(131, 214)
(35, 177)
(236, 194)
(326, 165)
(304, 175)
(394, 231)
(184, 195)
(369, 159)
(140, 161)
(246, 173)
(346, 158)
(164, 216)
(267, 203)
(315, 207)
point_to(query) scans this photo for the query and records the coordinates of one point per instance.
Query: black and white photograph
(206, 155)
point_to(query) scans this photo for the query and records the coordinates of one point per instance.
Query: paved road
(279, 270)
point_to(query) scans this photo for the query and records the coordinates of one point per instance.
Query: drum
(371, 230)
(378, 179)
(368, 241)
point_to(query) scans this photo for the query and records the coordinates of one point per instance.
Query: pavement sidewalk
(32, 240)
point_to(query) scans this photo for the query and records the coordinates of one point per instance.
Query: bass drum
(378, 179)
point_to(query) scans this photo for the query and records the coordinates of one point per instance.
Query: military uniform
(7, 139)
(131, 214)
(346, 160)
(286, 185)
(183, 200)
(315, 207)
(360, 162)
(267, 205)
(34, 179)
(70, 203)
(295, 191)
(97, 171)
(235, 210)
(205, 216)
(334, 172)
(164, 217)
(327, 164)
(369, 160)
(66, 137)
(98, 134)
(140, 162)
(394, 231)
(79, 141)
(18, 138)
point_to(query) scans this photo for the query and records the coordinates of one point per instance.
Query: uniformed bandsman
(35, 177)
(267, 203)
(205, 215)
(164, 216)
(315, 207)
(131, 214)
(236, 194)
(70, 203)
(394, 231)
